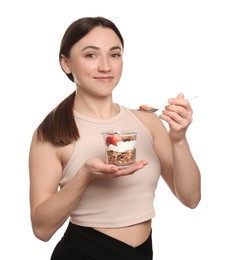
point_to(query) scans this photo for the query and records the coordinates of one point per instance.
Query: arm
(179, 168)
(51, 207)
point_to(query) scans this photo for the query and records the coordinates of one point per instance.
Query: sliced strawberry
(112, 139)
(109, 140)
(143, 107)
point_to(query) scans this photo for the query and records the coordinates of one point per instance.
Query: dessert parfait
(120, 147)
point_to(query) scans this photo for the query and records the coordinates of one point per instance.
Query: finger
(178, 101)
(131, 169)
(180, 96)
(173, 100)
(175, 112)
(171, 117)
(109, 168)
(181, 106)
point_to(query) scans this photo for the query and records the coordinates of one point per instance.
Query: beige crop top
(116, 202)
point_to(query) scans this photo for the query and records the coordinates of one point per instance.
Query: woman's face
(96, 62)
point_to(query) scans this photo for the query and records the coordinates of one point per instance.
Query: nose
(104, 64)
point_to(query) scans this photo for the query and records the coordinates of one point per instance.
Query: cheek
(78, 69)
(120, 65)
(83, 68)
(81, 72)
(120, 69)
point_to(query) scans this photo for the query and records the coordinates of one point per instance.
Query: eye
(116, 55)
(90, 55)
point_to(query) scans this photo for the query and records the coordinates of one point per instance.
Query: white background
(170, 47)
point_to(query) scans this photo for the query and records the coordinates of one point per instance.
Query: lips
(104, 78)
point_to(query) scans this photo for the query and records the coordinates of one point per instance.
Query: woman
(109, 209)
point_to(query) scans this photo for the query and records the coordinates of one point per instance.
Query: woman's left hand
(178, 114)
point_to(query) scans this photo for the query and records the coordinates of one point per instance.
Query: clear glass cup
(120, 147)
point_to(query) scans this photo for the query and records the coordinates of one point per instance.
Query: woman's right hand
(97, 168)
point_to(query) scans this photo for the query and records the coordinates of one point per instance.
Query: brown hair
(59, 126)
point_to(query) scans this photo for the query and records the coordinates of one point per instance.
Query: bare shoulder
(150, 120)
(144, 116)
(49, 151)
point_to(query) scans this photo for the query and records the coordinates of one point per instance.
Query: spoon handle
(192, 98)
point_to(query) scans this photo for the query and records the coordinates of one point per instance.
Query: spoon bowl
(149, 110)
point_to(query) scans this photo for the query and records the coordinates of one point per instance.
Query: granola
(121, 158)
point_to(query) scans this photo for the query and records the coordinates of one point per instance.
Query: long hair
(59, 126)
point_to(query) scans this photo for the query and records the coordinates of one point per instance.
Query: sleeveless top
(119, 202)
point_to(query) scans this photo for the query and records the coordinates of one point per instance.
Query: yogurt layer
(122, 146)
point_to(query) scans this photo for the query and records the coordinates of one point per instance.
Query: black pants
(84, 243)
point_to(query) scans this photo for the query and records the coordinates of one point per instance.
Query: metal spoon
(154, 109)
(149, 110)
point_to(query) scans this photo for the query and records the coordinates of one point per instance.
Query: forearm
(50, 215)
(186, 174)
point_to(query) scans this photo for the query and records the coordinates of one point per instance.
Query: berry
(143, 107)
(112, 139)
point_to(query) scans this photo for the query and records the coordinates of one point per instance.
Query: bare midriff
(133, 235)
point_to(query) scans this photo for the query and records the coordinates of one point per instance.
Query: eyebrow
(97, 48)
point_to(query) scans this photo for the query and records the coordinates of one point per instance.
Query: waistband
(96, 245)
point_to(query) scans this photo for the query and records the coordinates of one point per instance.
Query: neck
(100, 108)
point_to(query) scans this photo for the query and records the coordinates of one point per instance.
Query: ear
(64, 62)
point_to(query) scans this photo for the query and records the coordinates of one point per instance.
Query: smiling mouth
(104, 78)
